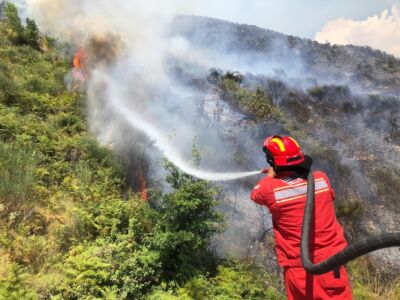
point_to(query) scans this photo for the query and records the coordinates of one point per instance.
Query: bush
(256, 103)
(17, 172)
(9, 90)
(32, 33)
(131, 248)
(28, 35)
(13, 19)
(87, 272)
(349, 211)
(14, 286)
(232, 281)
(187, 223)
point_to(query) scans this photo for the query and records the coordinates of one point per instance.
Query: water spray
(162, 143)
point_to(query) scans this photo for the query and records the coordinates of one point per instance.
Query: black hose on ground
(351, 252)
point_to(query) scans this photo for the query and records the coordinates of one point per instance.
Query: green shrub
(14, 286)
(134, 247)
(32, 33)
(257, 103)
(19, 34)
(9, 90)
(186, 225)
(13, 19)
(349, 211)
(9, 123)
(17, 173)
(370, 285)
(117, 264)
(317, 92)
(232, 281)
(87, 272)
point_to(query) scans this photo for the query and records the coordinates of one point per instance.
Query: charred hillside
(342, 102)
(365, 68)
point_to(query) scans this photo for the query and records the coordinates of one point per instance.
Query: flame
(143, 187)
(79, 72)
(79, 59)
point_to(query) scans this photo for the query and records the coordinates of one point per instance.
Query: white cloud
(379, 31)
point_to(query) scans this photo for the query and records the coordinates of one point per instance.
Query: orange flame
(79, 59)
(143, 187)
(79, 72)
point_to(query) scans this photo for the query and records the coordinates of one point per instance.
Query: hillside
(347, 116)
(71, 226)
(300, 60)
(83, 219)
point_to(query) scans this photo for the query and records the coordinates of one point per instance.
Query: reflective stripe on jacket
(285, 198)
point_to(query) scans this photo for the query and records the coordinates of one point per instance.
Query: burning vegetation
(98, 52)
(143, 186)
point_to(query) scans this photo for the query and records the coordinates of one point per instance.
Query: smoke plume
(134, 89)
(379, 31)
(137, 87)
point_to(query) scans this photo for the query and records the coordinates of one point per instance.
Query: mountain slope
(72, 222)
(366, 69)
(341, 102)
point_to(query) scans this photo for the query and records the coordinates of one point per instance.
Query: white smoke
(380, 31)
(119, 106)
(141, 89)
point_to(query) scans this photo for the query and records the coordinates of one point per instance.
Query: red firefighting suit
(285, 197)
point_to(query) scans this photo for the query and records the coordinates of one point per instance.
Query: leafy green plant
(17, 172)
(13, 19)
(14, 286)
(255, 102)
(231, 281)
(349, 211)
(19, 34)
(32, 33)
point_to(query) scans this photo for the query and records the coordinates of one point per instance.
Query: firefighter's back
(327, 236)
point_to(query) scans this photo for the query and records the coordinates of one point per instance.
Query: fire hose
(351, 252)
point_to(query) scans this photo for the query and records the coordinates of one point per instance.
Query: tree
(32, 33)
(13, 19)
(187, 222)
(28, 35)
(14, 285)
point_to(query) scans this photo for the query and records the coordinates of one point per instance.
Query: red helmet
(282, 151)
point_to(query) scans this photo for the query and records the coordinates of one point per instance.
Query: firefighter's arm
(262, 194)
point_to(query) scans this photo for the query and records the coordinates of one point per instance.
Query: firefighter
(283, 191)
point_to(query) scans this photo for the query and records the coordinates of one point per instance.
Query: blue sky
(302, 18)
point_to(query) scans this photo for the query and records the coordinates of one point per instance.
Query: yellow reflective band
(294, 141)
(280, 144)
